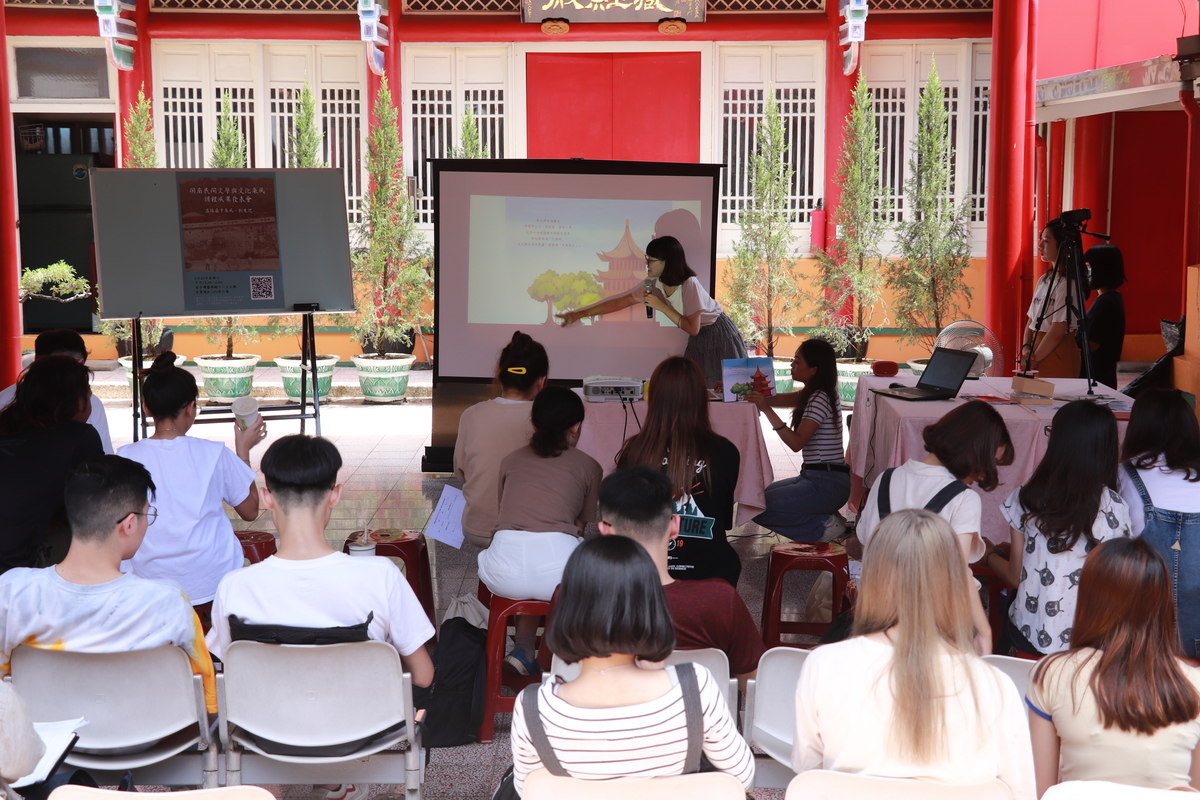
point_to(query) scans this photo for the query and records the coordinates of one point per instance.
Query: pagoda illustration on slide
(626, 269)
(760, 383)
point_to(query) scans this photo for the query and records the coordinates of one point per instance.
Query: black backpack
(454, 703)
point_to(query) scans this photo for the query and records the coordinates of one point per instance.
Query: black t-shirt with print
(695, 557)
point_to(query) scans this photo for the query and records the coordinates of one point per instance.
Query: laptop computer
(943, 376)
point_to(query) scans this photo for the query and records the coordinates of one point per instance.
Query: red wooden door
(624, 106)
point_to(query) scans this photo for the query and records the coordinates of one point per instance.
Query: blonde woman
(907, 697)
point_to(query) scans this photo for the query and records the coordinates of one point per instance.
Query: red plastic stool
(499, 610)
(994, 587)
(409, 547)
(256, 545)
(818, 556)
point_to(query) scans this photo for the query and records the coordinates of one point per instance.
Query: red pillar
(839, 89)
(1028, 208)
(130, 81)
(1007, 229)
(1056, 171)
(1191, 201)
(10, 251)
(1093, 159)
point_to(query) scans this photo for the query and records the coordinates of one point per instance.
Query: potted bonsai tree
(760, 281)
(304, 152)
(927, 281)
(229, 375)
(391, 269)
(850, 272)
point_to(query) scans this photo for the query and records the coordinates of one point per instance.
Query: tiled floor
(384, 488)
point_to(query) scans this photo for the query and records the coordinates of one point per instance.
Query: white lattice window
(896, 76)
(263, 83)
(794, 74)
(440, 84)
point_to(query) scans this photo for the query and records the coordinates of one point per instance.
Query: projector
(609, 389)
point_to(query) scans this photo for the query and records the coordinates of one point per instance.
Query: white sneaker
(835, 526)
(347, 791)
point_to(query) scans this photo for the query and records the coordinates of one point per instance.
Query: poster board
(196, 243)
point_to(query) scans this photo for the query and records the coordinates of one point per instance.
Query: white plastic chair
(714, 660)
(1106, 790)
(820, 784)
(145, 711)
(309, 696)
(771, 713)
(541, 785)
(72, 792)
(1019, 669)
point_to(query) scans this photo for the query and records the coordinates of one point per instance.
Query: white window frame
(906, 65)
(58, 105)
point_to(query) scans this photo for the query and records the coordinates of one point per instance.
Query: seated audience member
(1121, 705)
(907, 697)
(618, 720)
(85, 604)
(548, 495)
(20, 746)
(1067, 507)
(63, 342)
(677, 438)
(636, 503)
(1160, 482)
(193, 543)
(43, 436)
(964, 447)
(489, 431)
(308, 584)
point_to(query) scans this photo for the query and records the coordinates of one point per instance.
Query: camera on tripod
(1076, 217)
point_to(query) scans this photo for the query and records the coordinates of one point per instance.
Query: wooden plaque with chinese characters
(612, 10)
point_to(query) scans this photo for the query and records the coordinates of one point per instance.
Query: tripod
(1069, 267)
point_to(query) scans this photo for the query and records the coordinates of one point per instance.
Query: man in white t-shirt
(308, 584)
(63, 342)
(85, 604)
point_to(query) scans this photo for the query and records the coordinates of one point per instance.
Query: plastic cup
(361, 544)
(245, 409)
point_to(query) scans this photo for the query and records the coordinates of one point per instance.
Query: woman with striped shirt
(804, 507)
(621, 719)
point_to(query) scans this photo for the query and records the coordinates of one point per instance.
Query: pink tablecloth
(886, 432)
(607, 425)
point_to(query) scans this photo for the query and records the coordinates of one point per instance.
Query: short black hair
(555, 411)
(167, 390)
(101, 492)
(1108, 266)
(300, 470)
(611, 601)
(60, 342)
(637, 502)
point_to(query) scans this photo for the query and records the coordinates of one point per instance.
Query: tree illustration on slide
(564, 291)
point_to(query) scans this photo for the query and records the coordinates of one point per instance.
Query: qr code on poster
(262, 287)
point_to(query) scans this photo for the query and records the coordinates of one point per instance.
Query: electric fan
(966, 334)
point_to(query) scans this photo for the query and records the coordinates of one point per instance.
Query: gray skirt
(716, 341)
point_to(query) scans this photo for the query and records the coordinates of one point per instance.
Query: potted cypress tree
(760, 281)
(304, 152)
(850, 272)
(391, 269)
(229, 375)
(927, 281)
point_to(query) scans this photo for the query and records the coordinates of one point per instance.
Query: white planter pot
(918, 365)
(225, 380)
(383, 380)
(849, 371)
(126, 363)
(783, 376)
(292, 374)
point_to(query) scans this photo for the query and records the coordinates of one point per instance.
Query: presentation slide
(515, 247)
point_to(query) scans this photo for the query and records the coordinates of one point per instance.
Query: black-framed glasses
(650, 261)
(151, 514)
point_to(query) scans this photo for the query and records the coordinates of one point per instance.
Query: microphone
(648, 287)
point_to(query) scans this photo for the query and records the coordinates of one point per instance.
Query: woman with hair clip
(1106, 316)
(712, 336)
(191, 541)
(1160, 482)
(621, 719)
(678, 438)
(1121, 705)
(964, 448)
(1067, 507)
(1051, 351)
(489, 431)
(805, 508)
(920, 703)
(43, 436)
(549, 494)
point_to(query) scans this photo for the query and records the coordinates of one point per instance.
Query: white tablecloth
(886, 432)
(607, 425)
